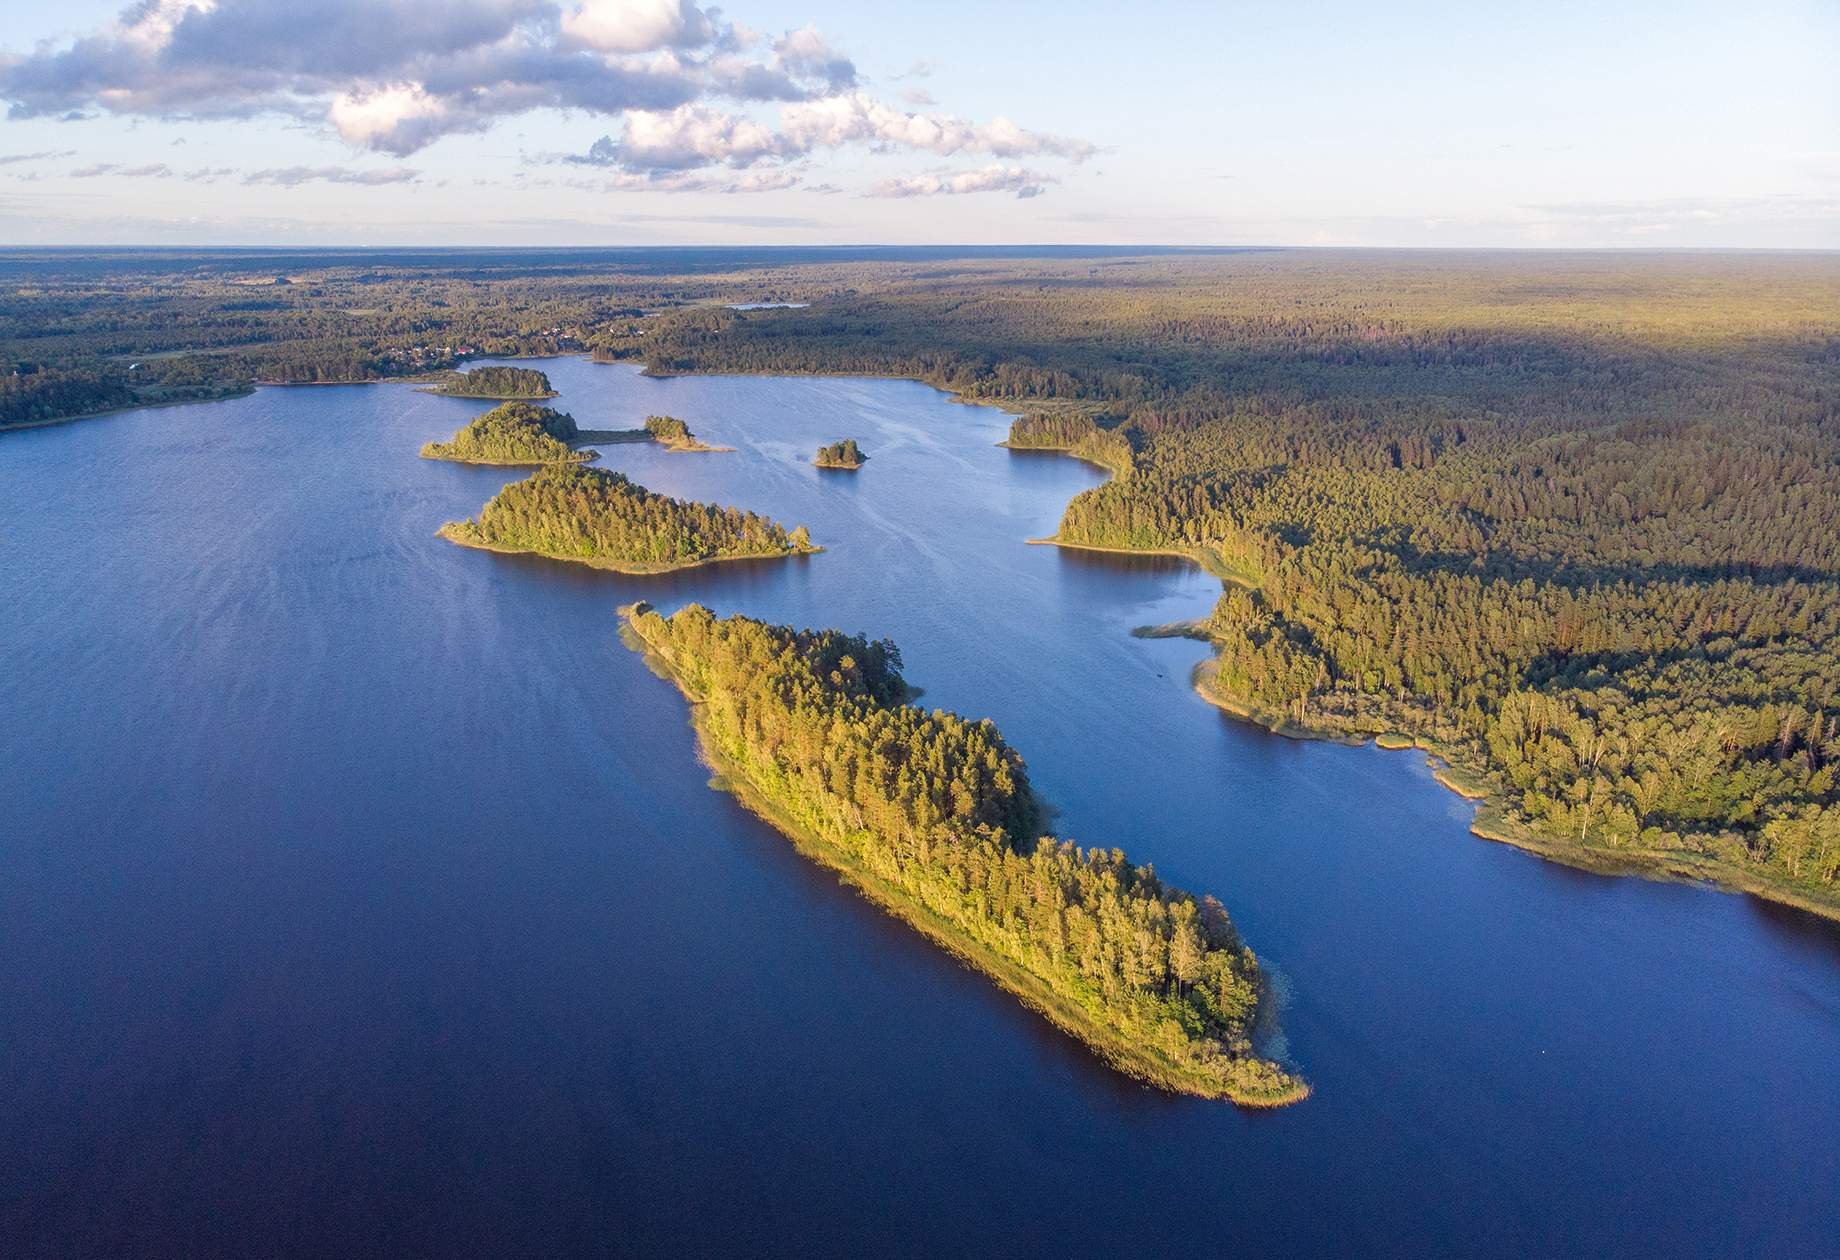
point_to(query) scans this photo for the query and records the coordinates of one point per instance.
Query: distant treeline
(513, 433)
(933, 814)
(575, 513)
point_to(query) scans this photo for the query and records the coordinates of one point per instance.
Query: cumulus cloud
(657, 144)
(628, 26)
(994, 178)
(685, 138)
(393, 76)
(293, 176)
(857, 118)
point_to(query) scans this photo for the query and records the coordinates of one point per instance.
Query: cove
(363, 893)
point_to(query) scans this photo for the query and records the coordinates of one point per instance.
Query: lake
(361, 894)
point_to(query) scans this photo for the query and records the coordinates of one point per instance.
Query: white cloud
(394, 76)
(628, 26)
(693, 137)
(685, 138)
(399, 119)
(994, 178)
(856, 117)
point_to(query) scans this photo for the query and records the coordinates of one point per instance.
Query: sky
(813, 122)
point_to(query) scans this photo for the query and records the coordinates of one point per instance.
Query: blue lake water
(362, 895)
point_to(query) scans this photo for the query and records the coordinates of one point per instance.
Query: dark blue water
(362, 895)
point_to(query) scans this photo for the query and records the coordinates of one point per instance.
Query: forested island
(932, 816)
(494, 382)
(514, 433)
(674, 435)
(1570, 524)
(600, 518)
(1566, 520)
(844, 454)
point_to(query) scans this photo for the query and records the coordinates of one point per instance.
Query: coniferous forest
(493, 381)
(933, 816)
(568, 512)
(1568, 520)
(513, 433)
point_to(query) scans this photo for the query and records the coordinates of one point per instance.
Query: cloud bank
(394, 76)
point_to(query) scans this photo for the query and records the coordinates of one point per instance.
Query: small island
(844, 454)
(932, 817)
(493, 382)
(514, 434)
(599, 518)
(674, 435)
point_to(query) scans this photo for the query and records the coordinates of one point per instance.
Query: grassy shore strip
(1173, 630)
(609, 437)
(454, 532)
(1140, 1062)
(433, 450)
(438, 392)
(1492, 822)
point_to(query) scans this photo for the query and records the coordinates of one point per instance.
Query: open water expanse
(361, 894)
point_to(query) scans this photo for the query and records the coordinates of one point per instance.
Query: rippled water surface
(361, 894)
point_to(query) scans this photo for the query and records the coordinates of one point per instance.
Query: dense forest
(933, 815)
(495, 382)
(1074, 432)
(844, 454)
(513, 433)
(1571, 521)
(569, 512)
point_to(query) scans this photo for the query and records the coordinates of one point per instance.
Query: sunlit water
(361, 894)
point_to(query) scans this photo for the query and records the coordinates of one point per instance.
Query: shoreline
(628, 569)
(1209, 564)
(441, 393)
(24, 425)
(1667, 866)
(1470, 784)
(587, 457)
(1068, 451)
(1111, 1046)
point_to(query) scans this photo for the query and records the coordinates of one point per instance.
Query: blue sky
(655, 121)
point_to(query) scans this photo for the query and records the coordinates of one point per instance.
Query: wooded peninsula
(932, 817)
(600, 518)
